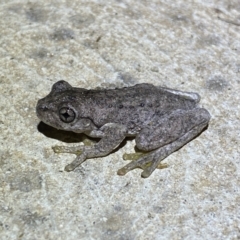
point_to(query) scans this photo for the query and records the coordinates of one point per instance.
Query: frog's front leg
(113, 135)
(171, 134)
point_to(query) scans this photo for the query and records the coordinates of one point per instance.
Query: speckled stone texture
(186, 45)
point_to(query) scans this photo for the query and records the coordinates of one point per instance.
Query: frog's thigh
(170, 128)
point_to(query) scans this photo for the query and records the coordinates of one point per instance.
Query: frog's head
(61, 109)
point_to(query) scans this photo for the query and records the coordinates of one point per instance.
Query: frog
(161, 119)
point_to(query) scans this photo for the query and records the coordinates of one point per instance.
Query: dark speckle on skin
(62, 34)
(217, 83)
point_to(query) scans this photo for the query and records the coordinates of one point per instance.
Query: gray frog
(161, 119)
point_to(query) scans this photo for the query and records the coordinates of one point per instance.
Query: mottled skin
(161, 119)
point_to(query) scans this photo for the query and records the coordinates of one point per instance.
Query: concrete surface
(187, 45)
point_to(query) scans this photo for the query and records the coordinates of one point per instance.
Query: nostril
(43, 108)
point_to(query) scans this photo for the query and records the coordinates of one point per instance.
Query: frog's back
(131, 106)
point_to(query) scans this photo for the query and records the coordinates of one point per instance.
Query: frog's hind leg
(155, 157)
(150, 161)
(145, 162)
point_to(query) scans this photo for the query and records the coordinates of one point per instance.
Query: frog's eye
(67, 115)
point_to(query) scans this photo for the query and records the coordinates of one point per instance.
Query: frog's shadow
(68, 136)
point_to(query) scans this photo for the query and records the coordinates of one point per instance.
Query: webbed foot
(146, 161)
(78, 150)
